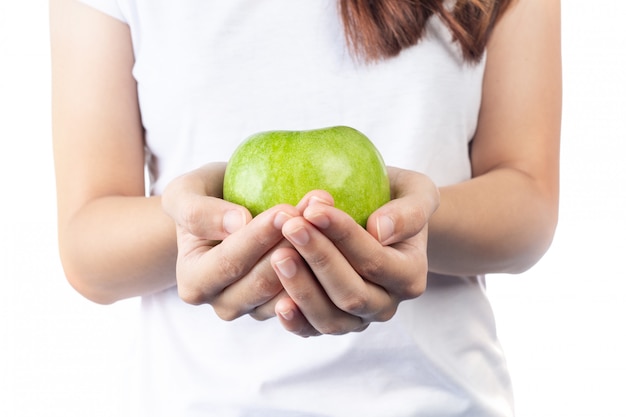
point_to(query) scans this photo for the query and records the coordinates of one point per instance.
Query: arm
(114, 242)
(504, 218)
(338, 277)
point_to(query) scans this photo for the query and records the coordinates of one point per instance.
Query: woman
(463, 102)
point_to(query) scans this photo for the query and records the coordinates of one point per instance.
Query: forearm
(119, 247)
(500, 222)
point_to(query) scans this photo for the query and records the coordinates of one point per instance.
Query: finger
(315, 197)
(292, 318)
(267, 310)
(311, 299)
(400, 269)
(414, 199)
(336, 275)
(194, 202)
(204, 272)
(256, 293)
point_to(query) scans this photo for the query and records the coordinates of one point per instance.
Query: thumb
(210, 217)
(414, 199)
(194, 202)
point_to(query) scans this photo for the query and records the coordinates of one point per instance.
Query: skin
(310, 265)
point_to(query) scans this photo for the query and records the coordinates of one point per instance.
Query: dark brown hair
(379, 29)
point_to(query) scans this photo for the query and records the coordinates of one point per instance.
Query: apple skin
(275, 167)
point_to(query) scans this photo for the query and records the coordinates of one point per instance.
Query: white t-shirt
(210, 73)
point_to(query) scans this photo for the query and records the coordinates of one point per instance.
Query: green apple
(275, 167)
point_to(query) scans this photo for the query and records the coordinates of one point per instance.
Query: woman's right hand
(223, 254)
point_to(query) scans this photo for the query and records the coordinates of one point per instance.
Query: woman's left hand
(340, 277)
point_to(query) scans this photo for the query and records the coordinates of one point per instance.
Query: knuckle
(265, 240)
(229, 268)
(414, 223)
(260, 314)
(342, 236)
(190, 295)
(387, 314)
(372, 265)
(355, 304)
(193, 217)
(227, 313)
(417, 285)
(265, 285)
(192, 289)
(420, 215)
(319, 261)
(414, 288)
(301, 296)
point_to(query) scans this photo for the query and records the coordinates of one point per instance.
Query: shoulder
(109, 7)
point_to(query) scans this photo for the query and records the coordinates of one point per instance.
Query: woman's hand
(329, 276)
(221, 262)
(339, 277)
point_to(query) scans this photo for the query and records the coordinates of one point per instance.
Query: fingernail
(320, 220)
(287, 267)
(317, 200)
(384, 227)
(280, 219)
(299, 236)
(287, 314)
(233, 220)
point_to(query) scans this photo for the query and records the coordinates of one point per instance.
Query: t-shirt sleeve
(110, 7)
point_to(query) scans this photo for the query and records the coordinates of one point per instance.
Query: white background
(562, 323)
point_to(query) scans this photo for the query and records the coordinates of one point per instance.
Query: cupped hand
(223, 254)
(339, 277)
